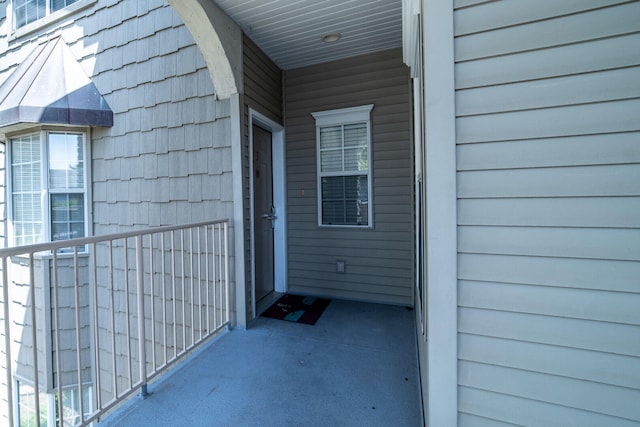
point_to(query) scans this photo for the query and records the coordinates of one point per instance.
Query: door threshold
(266, 301)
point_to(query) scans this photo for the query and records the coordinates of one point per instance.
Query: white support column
(238, 213)
(441, 245)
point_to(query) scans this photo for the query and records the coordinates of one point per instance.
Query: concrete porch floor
(355, 367)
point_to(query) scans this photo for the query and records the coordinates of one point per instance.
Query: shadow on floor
(355, 367)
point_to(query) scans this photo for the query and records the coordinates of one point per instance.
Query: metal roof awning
(51, 87)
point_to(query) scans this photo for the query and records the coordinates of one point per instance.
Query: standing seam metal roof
(51, 87)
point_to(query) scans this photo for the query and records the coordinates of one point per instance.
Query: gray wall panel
(548, 228)
(262, 93)
(378, 260)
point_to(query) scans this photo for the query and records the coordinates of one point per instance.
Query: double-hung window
(27, 11)
(343, 145)
(48, 187)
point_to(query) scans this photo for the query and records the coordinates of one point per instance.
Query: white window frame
(340, 117)
(45, 191)
(49, 18)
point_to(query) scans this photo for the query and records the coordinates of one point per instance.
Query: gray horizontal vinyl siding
(263, 93)
(262, 81)
(379, 264)
(548, 159)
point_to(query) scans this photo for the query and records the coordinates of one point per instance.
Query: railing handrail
(81, 241)
(202, 277)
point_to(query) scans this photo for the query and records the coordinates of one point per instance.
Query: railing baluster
(96, 330)
(34, 337)
(173, 293)
(226, 272)
(164, 299)
(76, 288)
(184, 303)
(199, 283)
(220, 272)
(56, 319)
(127, 309)
(114, 362)
(193, 300)
(141, 316)
(7, 339)
(153, 303)
(206, 275)
(215, 276)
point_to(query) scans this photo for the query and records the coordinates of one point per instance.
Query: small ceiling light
(331, 37)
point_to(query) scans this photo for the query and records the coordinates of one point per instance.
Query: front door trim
(279, 201)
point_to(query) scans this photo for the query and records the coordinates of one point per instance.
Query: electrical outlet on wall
(341, 266)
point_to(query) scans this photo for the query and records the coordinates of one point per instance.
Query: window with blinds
(344, 172)
(27, 11)
(66, 185)
(26, 172)
(48, 187)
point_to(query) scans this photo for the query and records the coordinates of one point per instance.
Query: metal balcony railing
(86, 323)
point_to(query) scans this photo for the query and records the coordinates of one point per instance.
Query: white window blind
(27, 185)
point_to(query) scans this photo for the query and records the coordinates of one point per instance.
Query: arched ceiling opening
(219, 40)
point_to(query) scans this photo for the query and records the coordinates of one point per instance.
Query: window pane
(331, 161)
(27, 233)
(20, 16)
(26, 178)
(332, 187)
(348, 155)
(345, 200)
(71, 405)
(67, 216)
(331, 137)
(28, 412)
(76, 230)
(356, 159)
(355, 135)
(25, 170)
(66, 161)
(59, 4)
(26, 207)
(332, 212)
(26, 149)
(27, 11)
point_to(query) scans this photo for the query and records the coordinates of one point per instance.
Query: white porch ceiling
(290, 31)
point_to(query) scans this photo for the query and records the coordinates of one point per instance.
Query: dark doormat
(297, 308)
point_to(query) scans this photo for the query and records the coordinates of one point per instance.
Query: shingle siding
(548, 182)
(167, 123)
(167, 158)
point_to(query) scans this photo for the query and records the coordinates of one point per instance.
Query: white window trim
(279, 202)
(47, 19)
(344, 116)
(45, 198)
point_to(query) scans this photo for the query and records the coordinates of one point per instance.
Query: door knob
(271, 216)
